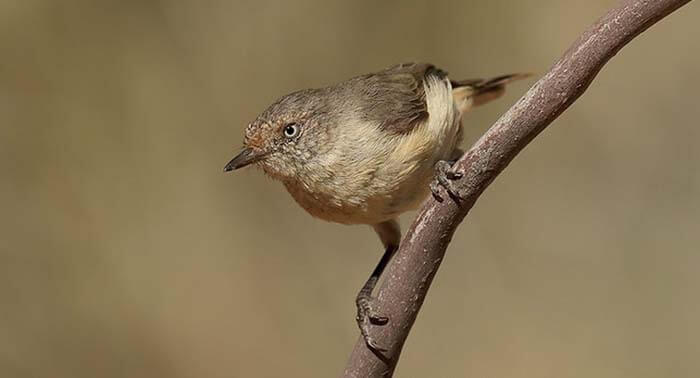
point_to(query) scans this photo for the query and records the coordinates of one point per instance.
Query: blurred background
(126, 252)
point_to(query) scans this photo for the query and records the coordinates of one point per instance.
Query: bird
(367, 149)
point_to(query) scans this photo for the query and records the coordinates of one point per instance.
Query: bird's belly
(380, 196)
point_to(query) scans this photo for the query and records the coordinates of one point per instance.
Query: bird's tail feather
(474, 92)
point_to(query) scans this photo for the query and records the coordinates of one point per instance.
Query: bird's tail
(474, 92)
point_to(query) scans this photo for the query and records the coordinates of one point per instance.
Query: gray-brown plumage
(364, 151)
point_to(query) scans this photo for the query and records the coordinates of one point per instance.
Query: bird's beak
(245, 157)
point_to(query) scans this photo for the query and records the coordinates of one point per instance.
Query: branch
(412, 270)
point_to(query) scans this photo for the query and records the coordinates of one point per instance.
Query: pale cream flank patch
(463, 98)
(432, 141)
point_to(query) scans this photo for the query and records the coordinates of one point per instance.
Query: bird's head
(287, 136)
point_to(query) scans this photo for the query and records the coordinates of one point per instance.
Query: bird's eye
(291, 130)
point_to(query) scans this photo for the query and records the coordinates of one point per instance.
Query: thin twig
(409, 275)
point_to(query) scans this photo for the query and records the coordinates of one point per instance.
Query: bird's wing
(394, 98)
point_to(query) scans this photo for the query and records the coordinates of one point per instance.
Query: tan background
(126, 252)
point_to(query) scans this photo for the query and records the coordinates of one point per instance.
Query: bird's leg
(367, 315)
(445, 177)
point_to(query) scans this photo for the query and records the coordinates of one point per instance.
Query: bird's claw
(378, 320)
(366, 316)
(445, 177)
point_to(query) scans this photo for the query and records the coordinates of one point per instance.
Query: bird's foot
(445, 177)
(366, 316)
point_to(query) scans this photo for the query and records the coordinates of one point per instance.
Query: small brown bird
(366, 150)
